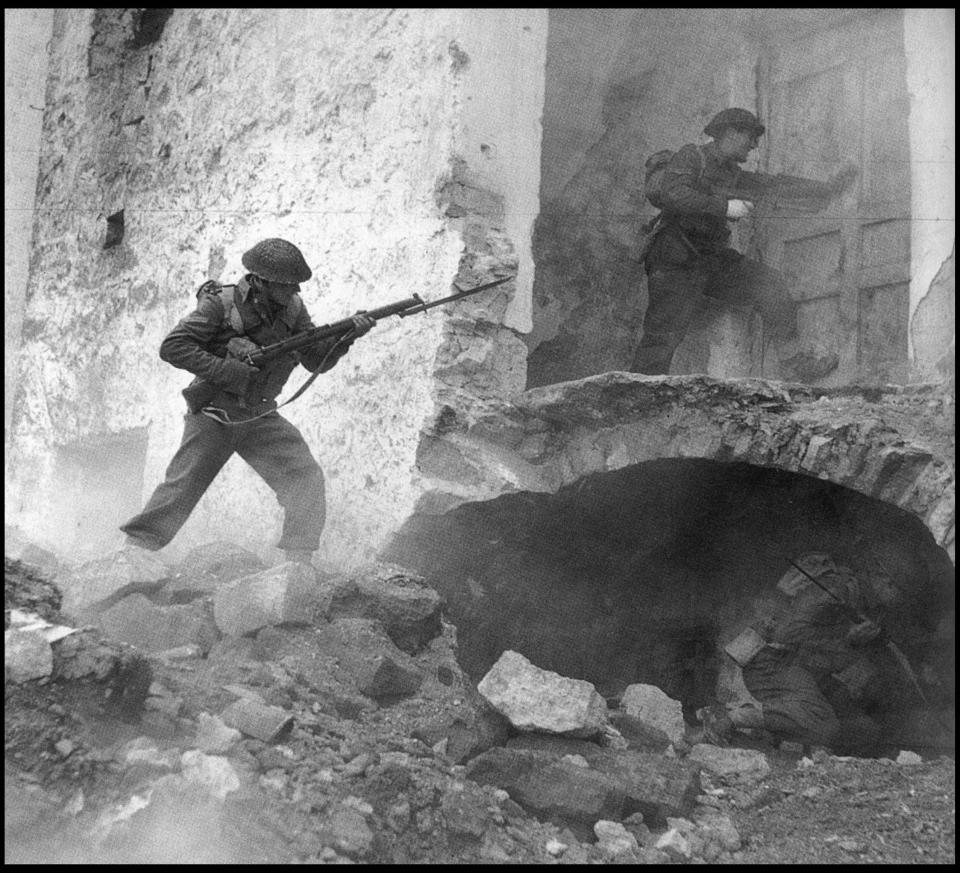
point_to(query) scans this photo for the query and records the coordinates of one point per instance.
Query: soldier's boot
(717, 726)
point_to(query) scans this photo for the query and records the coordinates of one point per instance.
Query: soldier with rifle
(809, 665)
(701, 190)
(242, 342)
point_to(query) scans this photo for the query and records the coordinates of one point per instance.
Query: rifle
(199, 393)
(791, 192)
(883, 637)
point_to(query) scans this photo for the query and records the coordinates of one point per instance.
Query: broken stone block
(377, 667)
(551, 790)
(613, 838)
(347, 831)
(654, 708)
(100, 583)
(212, 772)
(355, 653)
(26, 655)
(259, 720)
(657, 786)
(151, 628)
(205, 568)
(541, 700)
(467, 733)
(638, 734)
(285, 594)
(405, 605)
(674, 844)
(746, 764)
(214, 736)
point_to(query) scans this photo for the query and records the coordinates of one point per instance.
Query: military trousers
(802, 706)
(271, 445)
(680, 283)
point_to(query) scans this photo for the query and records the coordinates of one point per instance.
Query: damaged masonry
(538, 570)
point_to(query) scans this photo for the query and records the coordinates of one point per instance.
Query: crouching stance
(807, 673)
(232, 406)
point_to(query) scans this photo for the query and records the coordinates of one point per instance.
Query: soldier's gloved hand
(236, 375)
(241, 346)
(737, 209)
(863, 633)
(362, 324)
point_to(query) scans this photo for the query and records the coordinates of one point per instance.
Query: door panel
(828, 99)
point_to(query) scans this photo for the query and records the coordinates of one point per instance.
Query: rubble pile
(224, 712)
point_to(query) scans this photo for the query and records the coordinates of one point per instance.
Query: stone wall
(25, 36)
(197, 134)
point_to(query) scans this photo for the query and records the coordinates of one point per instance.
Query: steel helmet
(277, 260)
(742, 119)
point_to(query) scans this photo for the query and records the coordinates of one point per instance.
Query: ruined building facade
(406, 149)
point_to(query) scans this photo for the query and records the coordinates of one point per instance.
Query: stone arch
(552, 437)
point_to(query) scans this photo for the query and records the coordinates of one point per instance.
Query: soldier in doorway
(700, 192)
(232, 406)
(804, 670)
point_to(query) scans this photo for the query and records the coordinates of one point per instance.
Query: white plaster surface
(930, 45)
(25, 36)
(333, 128)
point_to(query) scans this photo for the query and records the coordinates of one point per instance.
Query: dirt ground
(351, 784)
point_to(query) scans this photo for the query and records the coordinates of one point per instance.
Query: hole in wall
(634, 576)
(148, 26)
(115, 228)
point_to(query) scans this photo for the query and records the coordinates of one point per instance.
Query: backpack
(231, 315)
(655, 169)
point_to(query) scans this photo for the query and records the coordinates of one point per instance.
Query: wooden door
(834, 97)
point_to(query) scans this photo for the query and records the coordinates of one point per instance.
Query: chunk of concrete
(399, 599)
(26, 655)
(541, 700)
(285, 594)
(614, 839)
(551, 790)
(260, 720)
(212, 772)
(214, 736)
(656, 709)
(746, 764)
(205, 568)
(151, 628)
(100, 583)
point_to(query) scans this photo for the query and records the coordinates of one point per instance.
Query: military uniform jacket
(697, 184)
(198, 344)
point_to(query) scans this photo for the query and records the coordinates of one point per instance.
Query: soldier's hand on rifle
(862, 633)
(362, 324)
(737, 209)
(241, 346)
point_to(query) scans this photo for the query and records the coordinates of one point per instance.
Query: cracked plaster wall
(930, 41)
(25, 36)
(351, 132)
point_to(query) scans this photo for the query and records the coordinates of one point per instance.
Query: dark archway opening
(632, 576)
